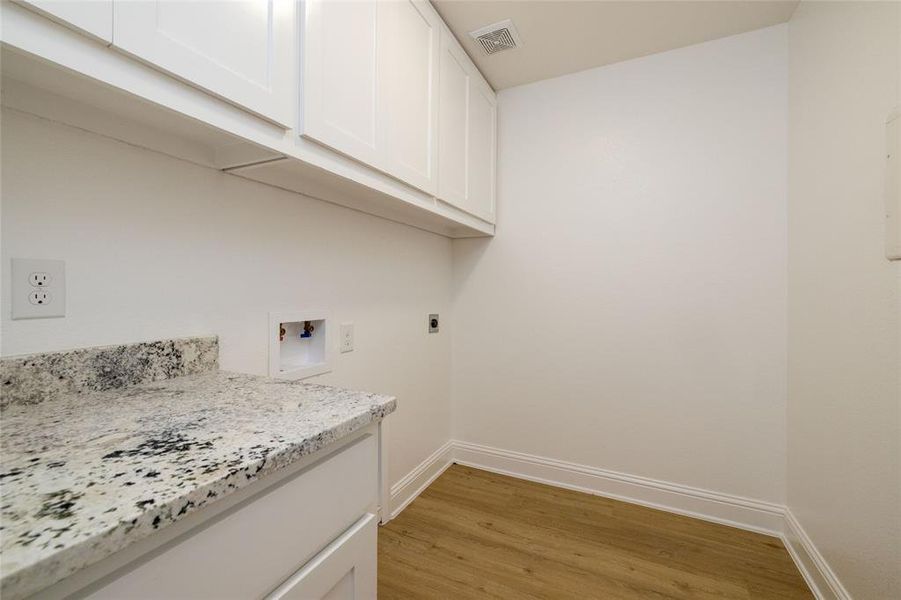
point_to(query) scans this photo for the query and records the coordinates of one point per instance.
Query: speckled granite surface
(85, 475)
(38, 377)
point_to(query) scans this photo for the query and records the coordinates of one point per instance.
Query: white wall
(156, 247)
(844, 453)
(630, 313)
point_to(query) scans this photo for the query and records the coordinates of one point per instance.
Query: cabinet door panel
(481, 148)
(409, 64)
(453, 129)
(94, 17)
(344, 570)
(340, 89)
(240, 50)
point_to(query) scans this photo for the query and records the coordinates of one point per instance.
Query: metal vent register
(497, 37)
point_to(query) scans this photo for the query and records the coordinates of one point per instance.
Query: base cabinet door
(344, 570)
(239, 50)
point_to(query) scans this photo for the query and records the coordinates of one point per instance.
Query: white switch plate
(347, 337)
(38, 288)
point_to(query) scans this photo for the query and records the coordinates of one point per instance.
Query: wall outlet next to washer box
(38, 288)
(347, 337)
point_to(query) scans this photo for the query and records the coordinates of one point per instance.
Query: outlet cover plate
(347, 337)
(38, 288)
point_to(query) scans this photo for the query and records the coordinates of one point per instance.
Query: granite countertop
(84, 475)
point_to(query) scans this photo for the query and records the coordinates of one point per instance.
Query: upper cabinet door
(482, 152)
(453, 125)
(94, 17)
(240, 50)
(467, 134)
(370, 84)
(340, 89)
(409, 43)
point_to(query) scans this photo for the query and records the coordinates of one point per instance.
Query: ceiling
(565, 36)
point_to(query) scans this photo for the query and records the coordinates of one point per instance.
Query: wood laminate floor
(474, 534)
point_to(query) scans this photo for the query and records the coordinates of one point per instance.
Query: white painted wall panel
(844, 310)
(630, 312)
(156, 247)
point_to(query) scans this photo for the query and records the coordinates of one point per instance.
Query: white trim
(384, 487)
(813, 566)
(416, 481)
(735, 511)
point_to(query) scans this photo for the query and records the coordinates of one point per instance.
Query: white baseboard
(735, 511)
(413, 483)
(744, 513)
(821, 579)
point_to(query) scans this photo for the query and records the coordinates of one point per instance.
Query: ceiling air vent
(497, 37)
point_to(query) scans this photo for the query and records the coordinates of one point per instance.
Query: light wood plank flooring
(474, 534)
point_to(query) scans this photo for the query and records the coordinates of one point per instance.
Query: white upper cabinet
(339, 86)
(467, 134)
(409, 38)
(94, 17)
(239, 50)
(372, 104)
(481, 152)
(370, 84)
(453, 131)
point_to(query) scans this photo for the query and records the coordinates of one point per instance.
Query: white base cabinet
(345, 570)
(310, 533)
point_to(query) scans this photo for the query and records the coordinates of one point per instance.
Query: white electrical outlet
(38, 288)
(40, 297)
(39, 279)
(347, 337)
